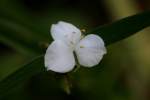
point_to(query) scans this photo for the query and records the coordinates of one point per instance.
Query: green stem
(67, 85)
(76, 68)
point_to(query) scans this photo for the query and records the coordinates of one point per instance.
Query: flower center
(81, 46)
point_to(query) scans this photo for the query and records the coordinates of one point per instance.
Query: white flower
(68, 40)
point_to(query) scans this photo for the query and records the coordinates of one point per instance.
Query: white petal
(66, 32)
(59, 57)
(90, 50)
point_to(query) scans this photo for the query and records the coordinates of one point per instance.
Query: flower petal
(90, 50)
(66, 32)
(59, 57)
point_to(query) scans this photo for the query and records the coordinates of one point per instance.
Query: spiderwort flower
(68, 40)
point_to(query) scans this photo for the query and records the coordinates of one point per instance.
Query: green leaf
(20, 38)
(14, 31)
(123, 28)
(21, 75)
(31, 82)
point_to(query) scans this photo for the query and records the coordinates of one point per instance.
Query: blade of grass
(123, 28)
(23, 74)
(20, 38)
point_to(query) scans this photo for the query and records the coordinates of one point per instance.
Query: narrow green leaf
(19, 37)
(43, 83)
(123, 28)
(23, 74)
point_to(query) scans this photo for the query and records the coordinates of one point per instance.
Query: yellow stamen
(83, 30)
(81, 46)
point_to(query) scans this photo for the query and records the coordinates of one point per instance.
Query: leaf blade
(123, 28)
(24, 73)
(20, 38)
